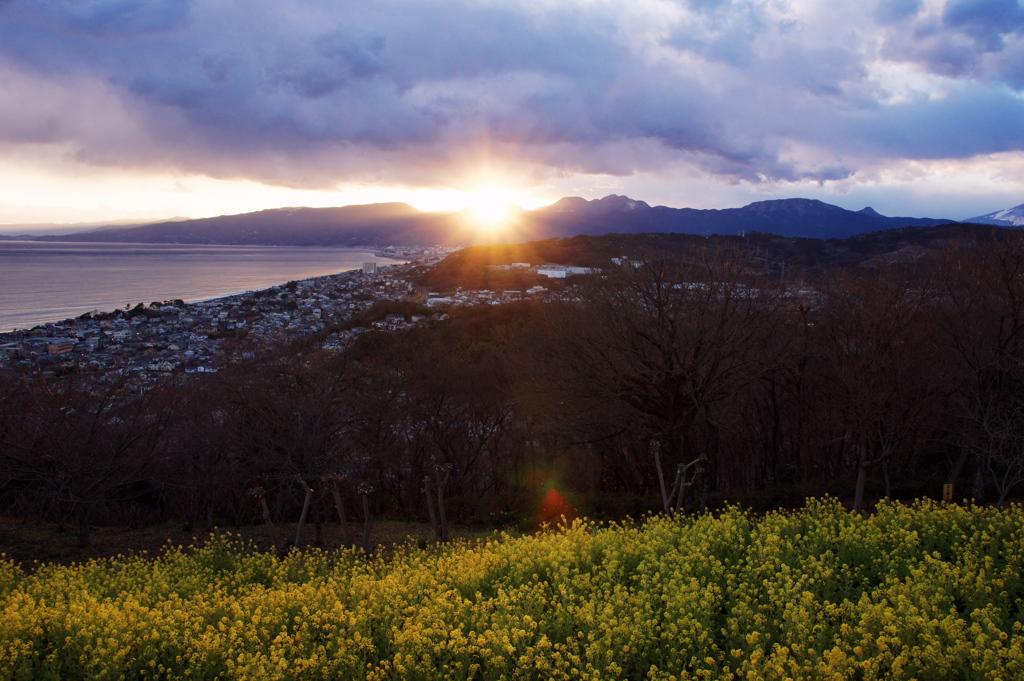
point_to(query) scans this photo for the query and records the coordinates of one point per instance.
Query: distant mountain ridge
(400, 224)
(613, 203)
(1011, 217)
(785, 217)
(353, 226)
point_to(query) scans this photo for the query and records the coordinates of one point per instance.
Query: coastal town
(175, 337)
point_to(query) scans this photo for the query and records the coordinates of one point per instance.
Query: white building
(552, 272)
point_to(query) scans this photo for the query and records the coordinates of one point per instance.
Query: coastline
(42, 283)
(316, 278)
(193, 337)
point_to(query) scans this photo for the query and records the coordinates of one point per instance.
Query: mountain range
(1011, 217)
(400, 224)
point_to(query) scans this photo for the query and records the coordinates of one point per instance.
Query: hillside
(472, 267)
(823, 593)
(365, 225)
(400, 224)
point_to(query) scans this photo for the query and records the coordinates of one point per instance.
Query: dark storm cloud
(109, 18)
(891, 11)
(307, 92)
(985, 20)
(976, 39)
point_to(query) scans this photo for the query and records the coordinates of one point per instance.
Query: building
(59, 346)
(552, 272)
(369, 268)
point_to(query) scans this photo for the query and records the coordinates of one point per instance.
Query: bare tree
(982, 328)
(201, 473)
(672, 498)
(651, 348)
(439, 407)
(875, 344)
(83, 445)
(294, 423)
(1000, 445)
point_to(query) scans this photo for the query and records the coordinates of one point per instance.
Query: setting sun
(491, 214)
(492, 208)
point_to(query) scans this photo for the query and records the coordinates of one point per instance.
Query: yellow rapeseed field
(924, 591)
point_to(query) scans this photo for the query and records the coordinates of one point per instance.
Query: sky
(143, 109)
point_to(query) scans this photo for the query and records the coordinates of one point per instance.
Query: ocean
(46, 281)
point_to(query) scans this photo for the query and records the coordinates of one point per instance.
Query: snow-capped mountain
(1011, 217)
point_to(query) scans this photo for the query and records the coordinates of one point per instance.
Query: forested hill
(400, 224)
(472, 267)
(351, 226)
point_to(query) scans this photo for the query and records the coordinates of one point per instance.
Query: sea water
(48, 281)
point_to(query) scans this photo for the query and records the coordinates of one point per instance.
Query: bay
(44, 282)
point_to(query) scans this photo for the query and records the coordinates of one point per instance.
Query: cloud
(893, 11)
(986, 21)
(114, 18)
(965, 39)
(316, 92)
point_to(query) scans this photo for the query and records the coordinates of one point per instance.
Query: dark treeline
(669, 383)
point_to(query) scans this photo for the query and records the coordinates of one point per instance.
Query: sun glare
(492, 208)
(492, 214)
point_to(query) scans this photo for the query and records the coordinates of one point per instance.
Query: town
(201, 337)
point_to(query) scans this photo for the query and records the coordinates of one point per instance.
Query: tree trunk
(279, 504)
(318, 537)
(885, 475)
(430, 507)
(979, 482)
(367, 522)
(302, 518)
(442, 516)
(345, 539)
(958, 466)
(82, 526)
(862, 477)
(680, 486)
(1002, 496)
(656, 452)
(266, 517)
(711, 457)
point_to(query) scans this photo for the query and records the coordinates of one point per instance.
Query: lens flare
(555, 509)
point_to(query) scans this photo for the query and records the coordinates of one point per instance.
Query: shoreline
(320, 276)
(24, 318)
